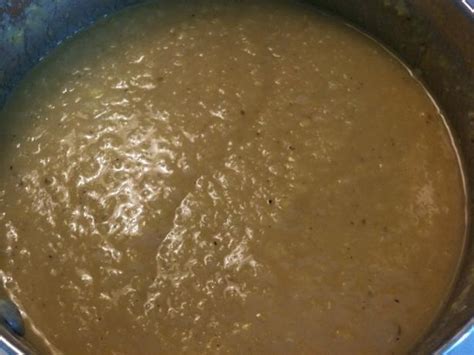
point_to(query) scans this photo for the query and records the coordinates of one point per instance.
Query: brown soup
(227, 177)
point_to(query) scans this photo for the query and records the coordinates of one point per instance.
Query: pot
(433, 37)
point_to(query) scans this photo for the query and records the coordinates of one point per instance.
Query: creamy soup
(227, 177)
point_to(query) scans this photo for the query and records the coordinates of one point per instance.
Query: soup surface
(227, 177)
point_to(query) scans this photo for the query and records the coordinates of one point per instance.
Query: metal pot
(435, 38)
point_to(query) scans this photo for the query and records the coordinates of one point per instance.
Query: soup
(227, 177)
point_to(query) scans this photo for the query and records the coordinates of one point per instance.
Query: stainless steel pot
(435, 38)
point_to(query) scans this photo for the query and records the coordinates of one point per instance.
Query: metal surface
(433, 37)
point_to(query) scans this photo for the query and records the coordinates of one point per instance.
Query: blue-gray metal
(11, 317)
(8, 348)
(461, 344)
(469, 5)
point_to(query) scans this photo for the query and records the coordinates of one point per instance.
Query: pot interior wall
(432, 37)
